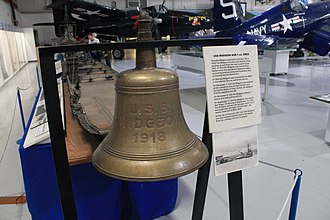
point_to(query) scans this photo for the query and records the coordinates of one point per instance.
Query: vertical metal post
(19, 99)
(38, 77)
(57, 135)
(203, 174)
(295, 196)
(235, 189)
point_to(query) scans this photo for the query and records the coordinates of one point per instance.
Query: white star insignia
(77, 17)
(92, 12)
(286, 24)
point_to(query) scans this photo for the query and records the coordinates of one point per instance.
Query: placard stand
(203, 173)
(235, 183)
(235, 188)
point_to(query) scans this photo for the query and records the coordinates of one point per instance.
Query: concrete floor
(291, 135)
(11, 181)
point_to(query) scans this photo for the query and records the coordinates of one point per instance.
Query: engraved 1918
(152, 137)
(149, 121)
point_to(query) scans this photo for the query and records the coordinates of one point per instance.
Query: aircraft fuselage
(283, 22)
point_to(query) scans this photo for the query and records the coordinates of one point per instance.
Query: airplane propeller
(157, 21)
(162, 6)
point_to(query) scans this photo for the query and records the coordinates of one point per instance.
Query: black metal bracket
(203, 173)
(235, 183)
(235, 191)
(57, 135)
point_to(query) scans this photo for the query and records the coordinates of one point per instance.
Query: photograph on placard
(235, 150)
(40, 116)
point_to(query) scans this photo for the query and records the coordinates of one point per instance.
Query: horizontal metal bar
(135, 44)
(12, 200)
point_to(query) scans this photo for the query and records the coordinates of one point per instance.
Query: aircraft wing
(82, 10)
(318, 40)
(263, 41)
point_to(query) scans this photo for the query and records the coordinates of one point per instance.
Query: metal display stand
(203, 173)
(57, 135)
(324, 99)
(235, 183)
(280, 60)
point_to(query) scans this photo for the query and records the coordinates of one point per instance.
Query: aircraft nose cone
(158, 20)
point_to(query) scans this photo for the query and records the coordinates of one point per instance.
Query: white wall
(30, 44)
(32, 5)
(120, 3)
(251, 5)
(171, 4)
(184, 4)
(45, 34)
(5, 13)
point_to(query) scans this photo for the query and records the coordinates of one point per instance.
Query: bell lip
(160, 177)
(149, 179)
(184, 149)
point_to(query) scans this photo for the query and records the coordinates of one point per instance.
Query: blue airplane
(290, 23)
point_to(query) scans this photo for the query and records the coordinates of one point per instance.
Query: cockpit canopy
(158, 9)
(297, 5)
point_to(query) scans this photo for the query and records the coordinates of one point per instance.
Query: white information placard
(38, 132)
(235, 150)
(58, 67)
(232, 87)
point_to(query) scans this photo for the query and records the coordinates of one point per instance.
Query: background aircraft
(291, 22)
(77, 18)
(114, 23)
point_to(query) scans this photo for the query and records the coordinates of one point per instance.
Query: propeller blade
(43, 24)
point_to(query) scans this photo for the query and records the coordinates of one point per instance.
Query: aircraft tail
(227, 14)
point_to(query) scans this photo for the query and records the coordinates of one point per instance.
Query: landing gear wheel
(118, 54)
(164, 49)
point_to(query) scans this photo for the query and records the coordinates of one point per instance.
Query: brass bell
(149, 139)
